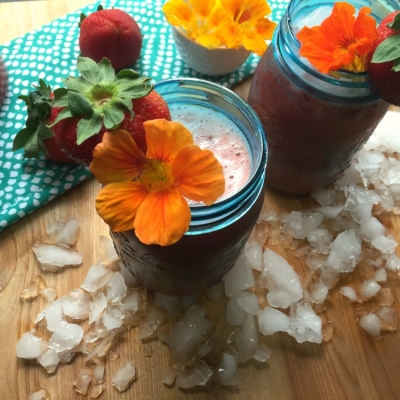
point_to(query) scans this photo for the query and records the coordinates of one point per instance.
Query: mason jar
(314, 122)
(217, 233)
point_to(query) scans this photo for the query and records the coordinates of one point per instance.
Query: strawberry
(99, 100)
(3, 81)
(385, 64)
(37, 137)
(112, 34)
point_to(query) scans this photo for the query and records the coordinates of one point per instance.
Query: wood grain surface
(350, 366)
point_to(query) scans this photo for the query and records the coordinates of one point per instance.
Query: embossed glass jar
(314, 122)
(217, 233)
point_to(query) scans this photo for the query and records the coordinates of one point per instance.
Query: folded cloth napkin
(50, 53)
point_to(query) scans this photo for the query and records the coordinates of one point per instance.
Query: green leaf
(26, 100)
(66, 113)
(77, 84)
(134, 88)
(78, 105)
(43, 89)
(44, 132)
(106, 71)
(88, 69)
(388, 50)
(21, 138)
(112, 117)
(127, 73)
(123, 104)
(100, 7)
(60, 97)
(89, 126)
(396, 65)
(81, 18)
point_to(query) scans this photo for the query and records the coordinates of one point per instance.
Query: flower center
(157, 176)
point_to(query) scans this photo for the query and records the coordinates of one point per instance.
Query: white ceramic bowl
(209, 62)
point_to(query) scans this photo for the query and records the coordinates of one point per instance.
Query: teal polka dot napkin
(50, 53)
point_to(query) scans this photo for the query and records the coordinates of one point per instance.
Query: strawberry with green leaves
(112, 34)
(384, 68)
(37, 137)
(98, 100)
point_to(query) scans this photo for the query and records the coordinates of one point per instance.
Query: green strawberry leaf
(134, 88)
(88, 69)
(81, 18)
(21, 138)
(123, 104)
(89, 126)
(60, 97)
(395, 24)
(127, 73)
(106, 71)
(66, 113)
(43, 89)
(388, 50)
(100, 7)
(396, 65)
(77, 84)
(32, 140)
(78, 105)
(112, 117)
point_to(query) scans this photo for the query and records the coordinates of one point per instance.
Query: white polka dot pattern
(50, 53)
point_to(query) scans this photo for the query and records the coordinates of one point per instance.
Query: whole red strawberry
(385, 64)
(100, 100)
(113, 34)
(36, 137)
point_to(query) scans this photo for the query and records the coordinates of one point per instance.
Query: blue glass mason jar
(314, 122)
(217, 233)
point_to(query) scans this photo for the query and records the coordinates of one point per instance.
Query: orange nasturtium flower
(342, 41)
(223, 23)
(147, 192)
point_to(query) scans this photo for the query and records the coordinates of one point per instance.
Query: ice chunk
(246, 339)
(151, 322)
(49, 360)
(197, 374)
(384, 244)
(76, 304)
(239, 278)
(305, 325)
(271, 321)
(254, 255)
(349, 292)
(330, 212)
(318, 292)
(319, 238)
(97, 277)
(249, 303)
(216, 292)
(123, 378)
(65, 336)
(106, 251)
(325, 197)
(170, 304)
(40, 394)
(116, 288)
(368, 289)
(30, 346)
(169, 377)
(281, 280)
(96, 307)
(227, 370)
(371, 228)
(299, 225)
(53, 258)
(82, 381)
(189, 332)
(371, 324)
(380, 275)
(345, 251)
(393, 263)
(388, 318)
(112, 318)
(235, 314)
(64, 232)
(53, 314)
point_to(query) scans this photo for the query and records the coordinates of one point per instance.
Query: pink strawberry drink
(223, 122)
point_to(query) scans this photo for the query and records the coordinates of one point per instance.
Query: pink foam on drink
(214, 131)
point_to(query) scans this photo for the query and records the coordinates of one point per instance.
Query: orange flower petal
(198, 174)
(177, 13)
(165, 139)
(255, 43)
(117, 203)
(163, 218)
(341, 42)
(202, 8)
(246, 10)
(117, 158)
